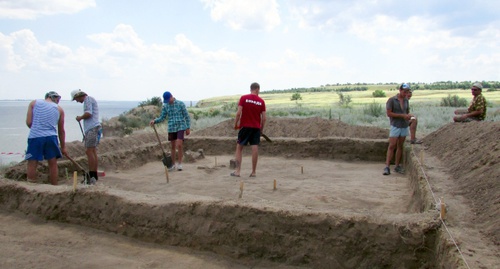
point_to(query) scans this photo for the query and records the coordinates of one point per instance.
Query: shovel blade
(167, 161)
(266, 138)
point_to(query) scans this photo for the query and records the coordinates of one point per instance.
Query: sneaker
(171, 168)
(399, 169)
(415, 141)
(387, 171)
(89, 181)
(179, 167)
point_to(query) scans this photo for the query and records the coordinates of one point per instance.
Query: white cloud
(32, 9)
(292, 60)
(123, 41)
(244, 14)
(322, 14)
(121, 58)
(24, 52)
(342, 41)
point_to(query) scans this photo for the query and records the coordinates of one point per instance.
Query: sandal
(234, 175)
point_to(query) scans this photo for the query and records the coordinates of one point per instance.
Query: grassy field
(328, 99)
(424, 103)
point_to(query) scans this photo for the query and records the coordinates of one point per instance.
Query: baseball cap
(166, 97)
(76, 93)
(52, 94)
(478, 85)
(405, 86)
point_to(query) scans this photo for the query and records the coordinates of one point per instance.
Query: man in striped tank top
(45, 118)
(92, 130)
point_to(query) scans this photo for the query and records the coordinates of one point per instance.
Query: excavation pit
(332, 207)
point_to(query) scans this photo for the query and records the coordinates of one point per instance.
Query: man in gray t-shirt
(398, 111)
(92, 127)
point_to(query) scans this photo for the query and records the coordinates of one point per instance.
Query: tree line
(348, 87)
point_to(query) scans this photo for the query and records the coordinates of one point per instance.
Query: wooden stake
(443, 209)
(302, 169)
(75, 180)
(241, 188)
(274, 186)
(215, 161)
(166, 174)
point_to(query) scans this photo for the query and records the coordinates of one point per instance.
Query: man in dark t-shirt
(398, 111)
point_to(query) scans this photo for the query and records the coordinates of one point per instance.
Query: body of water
(14, 132)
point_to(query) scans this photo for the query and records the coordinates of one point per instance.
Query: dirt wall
(324, 148)
(238, 231)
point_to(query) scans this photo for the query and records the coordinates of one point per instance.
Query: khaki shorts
(92, 137)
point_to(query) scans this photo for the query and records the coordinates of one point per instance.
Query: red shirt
(253, 106)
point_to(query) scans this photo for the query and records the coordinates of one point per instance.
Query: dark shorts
(176, 136)
(249, 136)
(92, 137)
(41, 148)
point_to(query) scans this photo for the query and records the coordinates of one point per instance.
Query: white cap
(76, 93)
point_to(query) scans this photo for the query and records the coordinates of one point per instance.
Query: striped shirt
(177, 114)
(45, 119)
(90, 106)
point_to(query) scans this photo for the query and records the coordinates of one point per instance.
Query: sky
(132, 50)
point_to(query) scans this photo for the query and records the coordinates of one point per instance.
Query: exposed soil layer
(331, 208)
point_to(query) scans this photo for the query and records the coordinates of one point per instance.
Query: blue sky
(135, 50)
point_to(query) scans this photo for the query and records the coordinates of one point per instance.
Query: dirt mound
(472, 153)
(134, 119)
(301, 128)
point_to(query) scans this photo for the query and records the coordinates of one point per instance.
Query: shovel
(86, 175)
(81, 129)
(266, 138)
(167, 160)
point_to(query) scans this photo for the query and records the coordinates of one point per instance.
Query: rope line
(11, 153)
(440, 218)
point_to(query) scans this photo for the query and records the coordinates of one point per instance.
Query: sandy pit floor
(305, 185)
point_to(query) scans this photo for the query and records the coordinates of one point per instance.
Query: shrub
(277, 113)
(155, 101)
(344, 100)
(453, 101)
(128, 130)
(295, 97)
(213, 112)
(196, 113)
(373, 109)
(378, 93)
(232, 106)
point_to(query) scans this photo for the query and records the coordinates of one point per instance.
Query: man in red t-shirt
(250, 120)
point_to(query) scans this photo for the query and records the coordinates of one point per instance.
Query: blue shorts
(41, 148)
(398, 132)
(249, 136)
